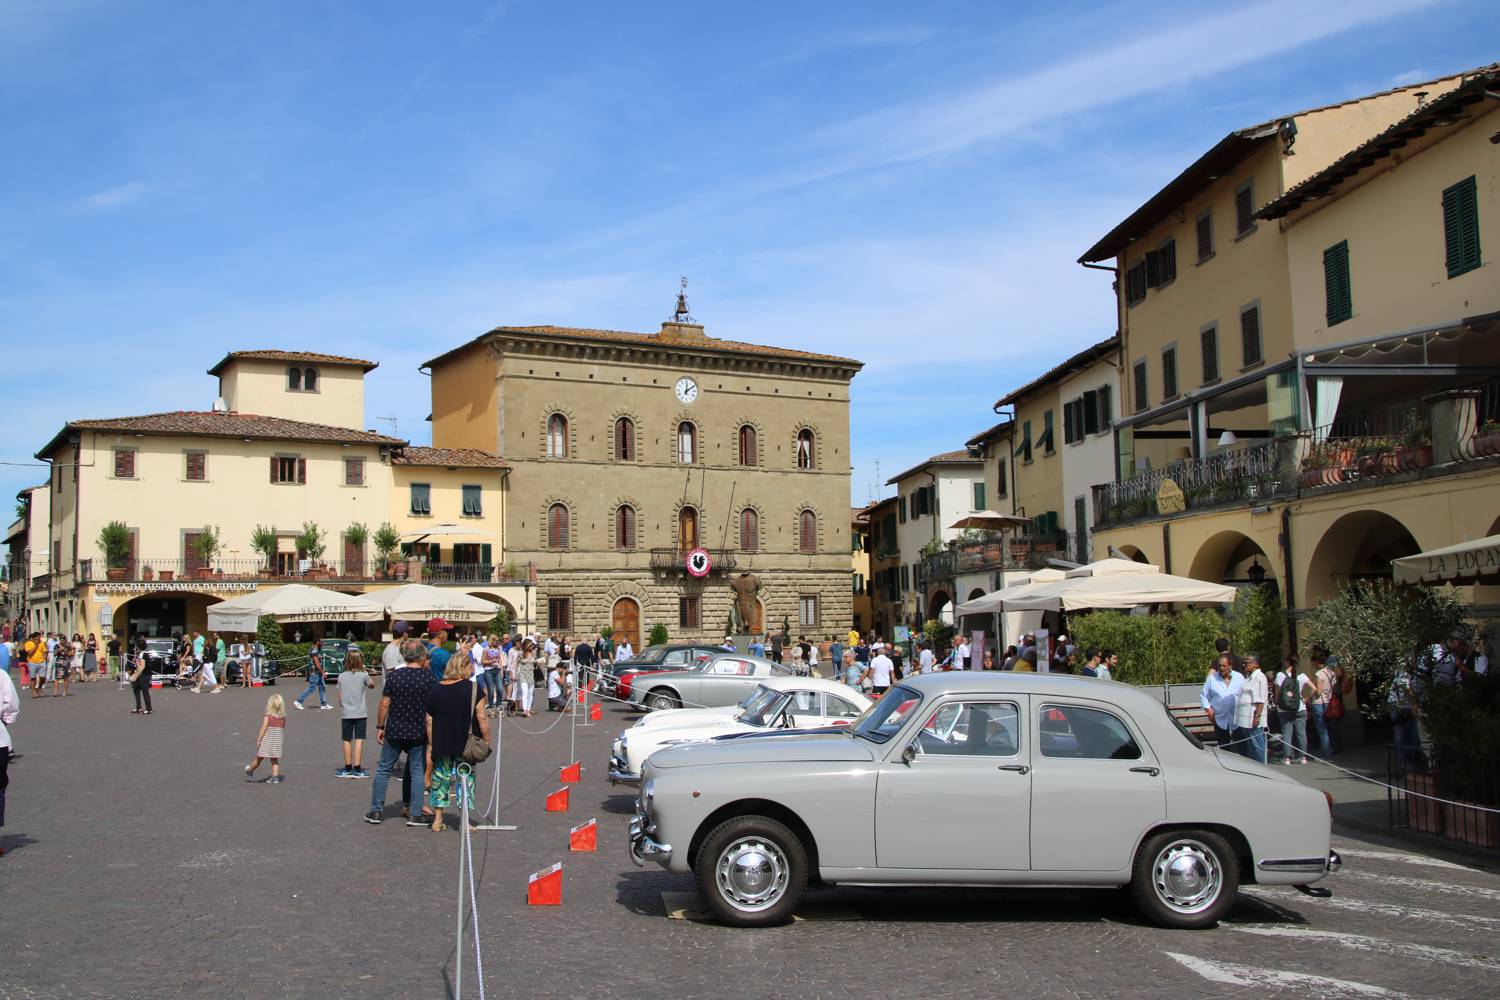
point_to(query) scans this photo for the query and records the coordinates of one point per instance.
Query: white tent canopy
(443, 529)
(994, 602)
(1113, 566)
(420, 602)
(294, 602)
(1475, 561)
(1121, 591)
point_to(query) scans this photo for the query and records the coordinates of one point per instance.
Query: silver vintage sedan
(724, 680)
(973, 778)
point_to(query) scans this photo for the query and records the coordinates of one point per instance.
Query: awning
(989, 520)
(293, 602)
(420, 602)
(1476, 561)
(445, 529)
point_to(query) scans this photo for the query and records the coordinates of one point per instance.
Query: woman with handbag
(454, 717)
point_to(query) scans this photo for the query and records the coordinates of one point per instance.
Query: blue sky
(908, 184)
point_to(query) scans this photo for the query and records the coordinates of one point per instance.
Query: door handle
(1018, 768)
(1153, 771)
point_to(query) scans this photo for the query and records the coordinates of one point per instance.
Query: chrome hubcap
(661, 701)
(1187, 876)
(752, 874)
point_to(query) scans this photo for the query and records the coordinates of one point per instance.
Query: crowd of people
(55, 659)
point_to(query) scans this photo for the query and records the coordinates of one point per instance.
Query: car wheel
(660, 701)
(1185, 879)
(751, 871)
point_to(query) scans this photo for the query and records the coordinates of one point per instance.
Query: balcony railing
(669, 558)
(240, 570)
(1258, 472)
(1016, 552)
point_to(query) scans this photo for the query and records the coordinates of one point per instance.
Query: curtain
(1326, 393)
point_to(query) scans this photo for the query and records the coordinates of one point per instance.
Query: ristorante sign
(190, 587)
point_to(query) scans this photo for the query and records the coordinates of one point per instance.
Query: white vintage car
(975, 778)
(777, 703)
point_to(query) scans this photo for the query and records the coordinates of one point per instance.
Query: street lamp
(1256, 572)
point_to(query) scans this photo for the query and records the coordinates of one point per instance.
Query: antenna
(391, 419)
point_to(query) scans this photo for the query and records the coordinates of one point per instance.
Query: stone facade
(503, 391)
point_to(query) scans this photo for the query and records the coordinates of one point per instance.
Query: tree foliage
(1256, 623)
(1161, 648)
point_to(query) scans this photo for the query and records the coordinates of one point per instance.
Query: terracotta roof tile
(464, 458)
(199, 423)
(308, 357)
(1081, 360)
(712, 344)
(959, 457)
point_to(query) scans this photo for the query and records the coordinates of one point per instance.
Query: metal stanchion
(586, 720)
(463, 842)
(495, 786)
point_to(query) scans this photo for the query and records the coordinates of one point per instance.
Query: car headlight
(648, 792)
(624, 742)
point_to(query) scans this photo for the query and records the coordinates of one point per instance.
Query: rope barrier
(466, 858)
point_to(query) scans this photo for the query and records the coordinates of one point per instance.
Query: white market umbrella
(1113, 566)
(420, 602)
(996, 600)
(1120, 591)
(293, 602)
(445, 529)
(988, 520)
(1475, 561)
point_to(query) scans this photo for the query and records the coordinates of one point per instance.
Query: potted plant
(148, 574)
(264, 541)
(1414, 449)
(1487, 439)
(114, 539)
(1315, 468)
(387, 540)
(355, 537)
(206, 546)
(310, 543)
(167, 575)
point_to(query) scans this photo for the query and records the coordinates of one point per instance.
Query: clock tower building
(648, 471)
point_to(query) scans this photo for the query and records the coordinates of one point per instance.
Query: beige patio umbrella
(1112, 566)
(420, 602)
(988, 520)
(444, 529)
(292, 602)
(1125, 590)
(1474, 561)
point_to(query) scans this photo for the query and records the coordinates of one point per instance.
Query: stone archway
(1358, 546)
(625, 621)
(506, 606)
(940, 606)
(1132, 552)
(161, 613)
(1232, 557)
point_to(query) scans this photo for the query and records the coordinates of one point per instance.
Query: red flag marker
(596, 712)
(584, 836)
(557, 802)
(572, 772)
(544, 888)
(580, 697)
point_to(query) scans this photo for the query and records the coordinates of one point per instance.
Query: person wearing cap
(390, 659)
(437, 656)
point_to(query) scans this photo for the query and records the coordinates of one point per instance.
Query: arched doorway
(1131, 552)
(505, 606)
(1234, 558)
(940, 606)
(1358, 546)
(625, 622)
(161, 614)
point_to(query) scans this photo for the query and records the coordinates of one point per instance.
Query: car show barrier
(584, 836)
(544, 888)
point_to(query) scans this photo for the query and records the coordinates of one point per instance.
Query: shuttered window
(1161, 265)
(625, 527)
(1024, 448)
(749, 449)
(421, 498)
(1244, 208)
(689, 611)
(979, 496)
(288, 469)
(560, 613)
(1141, 402)
(1169, 373)
(1044, 442)
(1135, 284)
(1461, 227)
(354, 472)
(749, 530)
(557, 436)
(1205, 232)
(473, 503)
(195, 466)
(901, 508)
(1209, 337)
(625, 440)
(1002, 487)
(1250, 345)
(1336, 288)
(1106, 415)
(557, 526)
(807, 532)
(1068, 409)
(124, 463)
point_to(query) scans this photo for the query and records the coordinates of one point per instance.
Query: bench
(1195, 720)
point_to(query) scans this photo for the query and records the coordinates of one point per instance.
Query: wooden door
(354, 559)
(190, 560)
(625, 621)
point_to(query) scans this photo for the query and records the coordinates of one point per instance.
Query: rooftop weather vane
(681, 315)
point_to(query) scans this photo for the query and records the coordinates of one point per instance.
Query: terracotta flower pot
(1419, 457)
(167, 574)
(115, 574)
(1487, 444)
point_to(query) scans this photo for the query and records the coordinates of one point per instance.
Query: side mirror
(909, 754)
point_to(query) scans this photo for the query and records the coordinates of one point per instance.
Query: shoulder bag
(476, 750)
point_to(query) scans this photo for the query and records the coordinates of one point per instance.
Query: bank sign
(171, 586)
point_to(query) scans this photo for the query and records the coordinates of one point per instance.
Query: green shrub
(1167, 647)
(1256, 623)
(657, 635)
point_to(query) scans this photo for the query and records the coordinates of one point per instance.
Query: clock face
(687, 389)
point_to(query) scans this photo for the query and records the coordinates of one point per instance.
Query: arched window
(687, 528)
(749, 451)
(625, 527)
(557, 436)
(309, 380)
(625, 440)
(749, 530)
(806, 449)
(687, 443)
(557, 526)
(294, 379)
(807, 532)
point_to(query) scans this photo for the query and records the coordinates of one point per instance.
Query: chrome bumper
(620, 772)
(1309, 866)
(643, 848)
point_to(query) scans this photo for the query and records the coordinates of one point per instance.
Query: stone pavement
(141, 864)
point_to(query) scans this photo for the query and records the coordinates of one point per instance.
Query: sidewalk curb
(1343, 826)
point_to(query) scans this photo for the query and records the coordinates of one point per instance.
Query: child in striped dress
(268, 742)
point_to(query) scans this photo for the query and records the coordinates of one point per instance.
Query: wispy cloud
(894, 36)
(466, 39)
(1409, 77)
(115, 197)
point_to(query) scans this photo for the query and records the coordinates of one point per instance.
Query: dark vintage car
(617, 678)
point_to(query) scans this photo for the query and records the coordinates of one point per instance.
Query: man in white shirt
(926, 663)
(1250, 712)
(965, 651)
(623, 651)
(390, 657)
(880, 672)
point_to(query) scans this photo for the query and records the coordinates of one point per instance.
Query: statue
(742, 614)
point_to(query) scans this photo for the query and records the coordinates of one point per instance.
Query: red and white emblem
(698, 563)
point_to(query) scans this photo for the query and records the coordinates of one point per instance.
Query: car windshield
(653, 655)
(767, 711)
(881, 721)
(756, 700)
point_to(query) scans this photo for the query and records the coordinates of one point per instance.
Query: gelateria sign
(183, 587)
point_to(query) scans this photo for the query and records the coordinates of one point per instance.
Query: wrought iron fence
(373, 569)
(1257, 472)
(668, 558)
(1444, 794)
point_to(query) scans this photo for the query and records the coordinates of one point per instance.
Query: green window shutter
(1210, 338)
(1024, 448)
(979, 496)
(1169, 373)
(1337, 290)
(1250, 346)
(484, 553)
(1141, 402)
(1461, 227)
(1045, 441)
